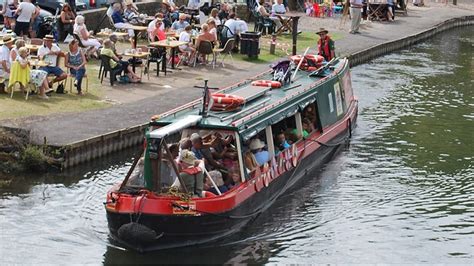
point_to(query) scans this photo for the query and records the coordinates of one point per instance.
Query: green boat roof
(263, 105)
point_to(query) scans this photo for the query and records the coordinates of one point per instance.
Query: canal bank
(88, 135)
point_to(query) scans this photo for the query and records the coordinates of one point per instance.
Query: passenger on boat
(137, 179)
(203, 152)
(250, 161)
(307, 127)
(261, 156)
(310, 113)
(218, 180)
(234, 174)
(220, 146)
(191, 173)
(281, 142)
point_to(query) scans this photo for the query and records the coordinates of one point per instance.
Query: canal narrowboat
(297, 118)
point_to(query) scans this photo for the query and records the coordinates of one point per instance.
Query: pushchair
(282, 71)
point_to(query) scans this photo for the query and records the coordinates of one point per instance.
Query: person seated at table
(80, 29)
(188, 49)
(159, 32)
(116, 63)
(129, 10)
(49, 53)
(278, 8)
(205, 35)
(75, 61)
(224, 13)
(235, 25)
(263, 12)
(172, 9)
(25, 75)
(212, 27)
(180, 24)
(214, 15)
(67, 18)
(114, 39)
(14, 51)
(152, 26)
(119, 23)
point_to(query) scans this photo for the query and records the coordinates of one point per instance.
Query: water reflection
(402, 192)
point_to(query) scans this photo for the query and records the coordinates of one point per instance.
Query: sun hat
(48, 38)
(256, 144)
(7, 39)
(187, 156)
(321, 30)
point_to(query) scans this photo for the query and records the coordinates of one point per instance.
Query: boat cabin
(244, 130)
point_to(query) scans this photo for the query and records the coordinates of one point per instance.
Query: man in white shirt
(356, 14)
(235, 25)
(278, 8)
(49, 53)
(5, 61)
(25, 12)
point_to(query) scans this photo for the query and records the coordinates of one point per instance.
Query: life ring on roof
(267, 83)
(226, 102)
(310, 61)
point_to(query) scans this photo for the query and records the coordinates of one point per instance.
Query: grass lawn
(57, 103)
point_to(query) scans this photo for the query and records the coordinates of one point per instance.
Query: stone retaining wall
(87, 150)
(388, 47)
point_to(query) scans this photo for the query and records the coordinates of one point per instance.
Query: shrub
(33, 158)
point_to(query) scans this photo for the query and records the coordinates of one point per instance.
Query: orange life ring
(226, 102)
(267, 83)
(315, 59)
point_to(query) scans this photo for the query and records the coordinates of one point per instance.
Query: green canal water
(402, 192)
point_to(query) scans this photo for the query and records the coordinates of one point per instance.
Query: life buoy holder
(267, 83)
(226, 102)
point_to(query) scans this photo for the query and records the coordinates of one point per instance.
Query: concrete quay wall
(99, 146)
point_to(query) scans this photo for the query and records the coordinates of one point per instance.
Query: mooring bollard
(273, 44)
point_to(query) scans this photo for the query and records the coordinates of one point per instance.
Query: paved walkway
(176, 89)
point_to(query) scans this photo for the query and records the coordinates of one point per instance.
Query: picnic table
(169, 44)
(109, 33)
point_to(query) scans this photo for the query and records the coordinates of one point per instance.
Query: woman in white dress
(81, 30)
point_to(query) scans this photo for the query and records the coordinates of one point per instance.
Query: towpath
(175, 89)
